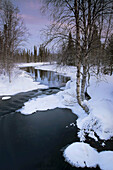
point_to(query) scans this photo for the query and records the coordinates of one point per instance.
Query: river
(36, 141)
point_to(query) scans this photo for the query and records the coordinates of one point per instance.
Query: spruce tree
(27, 56)
(70, 50)
(35, 54)
(95, 47)
(109, 55)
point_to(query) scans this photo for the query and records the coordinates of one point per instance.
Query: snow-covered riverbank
(98, 122)
(20, 82)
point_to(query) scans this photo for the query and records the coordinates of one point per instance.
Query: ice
(6, 98)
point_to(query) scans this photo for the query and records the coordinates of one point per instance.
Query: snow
(63, 99)
(98, 123)
(80, 154)
(100, 119)
(32, 64)
(69, 71)
(101, 109)
(6, 98)
(20, 82)
(106, 160)
(44, 103)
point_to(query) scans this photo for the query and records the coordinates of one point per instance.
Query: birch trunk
(84, 76)
(78, 54)
(78, 83)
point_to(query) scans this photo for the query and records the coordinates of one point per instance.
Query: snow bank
(63, 99)
(44, 103)
(32, 64)
(100, 119)
(69, 71)
(81, 154)
(21, 82)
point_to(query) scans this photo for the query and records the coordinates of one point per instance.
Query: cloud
(35, 5)
(31, 19)
(29, 4)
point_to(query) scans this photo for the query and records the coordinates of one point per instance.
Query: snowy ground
(99, 121)
(20, 82)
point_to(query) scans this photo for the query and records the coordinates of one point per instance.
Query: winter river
(36, 141)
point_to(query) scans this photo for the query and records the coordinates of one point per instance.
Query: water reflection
(50, 78)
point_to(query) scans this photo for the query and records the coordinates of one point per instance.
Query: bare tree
(12, 32)
(80, 17)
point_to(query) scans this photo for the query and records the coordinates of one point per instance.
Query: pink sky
(33, 19)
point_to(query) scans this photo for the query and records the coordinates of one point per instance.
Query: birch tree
(80, 17)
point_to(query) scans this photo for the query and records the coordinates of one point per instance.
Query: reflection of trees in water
(43, 74)
(32, 70)
(36, 74)
(47, 77)
(52, 79)
(29, 69)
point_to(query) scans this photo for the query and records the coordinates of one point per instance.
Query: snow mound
(81, 155)
(106, 160)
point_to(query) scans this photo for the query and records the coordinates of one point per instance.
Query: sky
(34, 20)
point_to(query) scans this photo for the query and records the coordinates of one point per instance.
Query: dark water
(50, 78)
(35, 141)
(18, 100)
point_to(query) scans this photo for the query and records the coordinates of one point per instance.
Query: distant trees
(89, 22)
(67, 53)
(26, 56)
(44, 54)
(35, 54)
(12, 33)
(70, 51)
(109, 53)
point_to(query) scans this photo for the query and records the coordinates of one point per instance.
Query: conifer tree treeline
(43, 55)
(67, 53)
